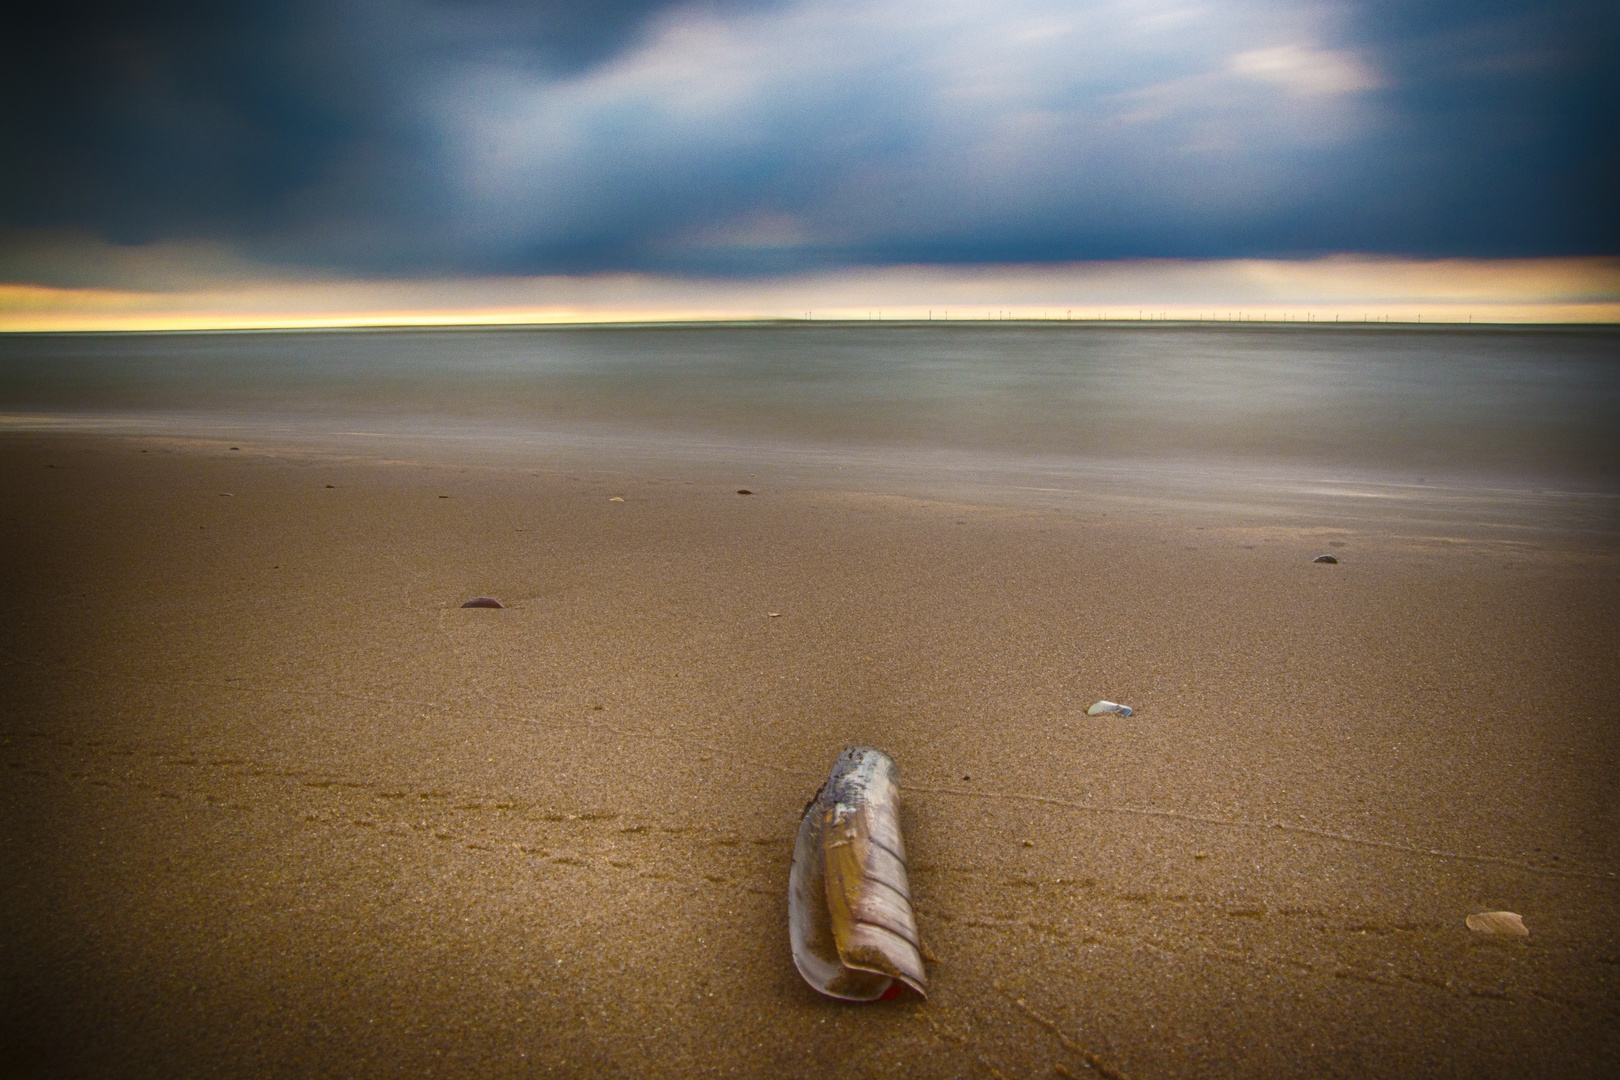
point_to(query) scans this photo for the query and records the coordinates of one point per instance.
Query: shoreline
(1440, 502)
(277, 803)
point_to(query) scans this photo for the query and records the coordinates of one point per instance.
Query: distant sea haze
(1519, 405)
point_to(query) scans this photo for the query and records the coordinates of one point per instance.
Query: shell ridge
(903, 894)
(887, 929)
(886, 849)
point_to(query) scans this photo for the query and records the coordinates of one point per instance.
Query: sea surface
(1481, 423)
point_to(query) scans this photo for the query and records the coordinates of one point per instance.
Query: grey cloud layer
(413, 136)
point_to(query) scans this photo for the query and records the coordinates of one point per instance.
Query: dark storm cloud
(430, 136)
(1501, 119)
(149, 120)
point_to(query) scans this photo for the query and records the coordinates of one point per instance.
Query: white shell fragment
(849, 904)
(1497, 923)
(1108, 707)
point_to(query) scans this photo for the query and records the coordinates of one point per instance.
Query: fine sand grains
(275, 802)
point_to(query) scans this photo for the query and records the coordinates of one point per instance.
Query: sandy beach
(275, 804)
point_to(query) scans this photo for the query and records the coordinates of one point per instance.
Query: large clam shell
(849, 905)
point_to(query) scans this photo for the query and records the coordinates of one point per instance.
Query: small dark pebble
(740, 491)
(967, 777)
(444, 496)
(236, 448)
(483, 601)
(331, 485)
(1325, 558)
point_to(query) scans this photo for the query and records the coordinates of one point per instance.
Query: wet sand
(274, 804)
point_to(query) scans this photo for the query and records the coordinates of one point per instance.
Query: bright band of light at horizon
(1331, 290)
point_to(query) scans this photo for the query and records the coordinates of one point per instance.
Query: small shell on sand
(1497, 924)
(1325, 558)
(483, 601)
(617, 498)
(1109, 707)
(744, 491)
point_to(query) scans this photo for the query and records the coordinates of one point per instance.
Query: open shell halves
(849, 905)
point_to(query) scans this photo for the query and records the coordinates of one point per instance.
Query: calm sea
(1528, 417)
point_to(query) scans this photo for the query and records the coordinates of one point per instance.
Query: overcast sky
(434, 138)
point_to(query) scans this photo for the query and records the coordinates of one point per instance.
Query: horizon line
(474, 322)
